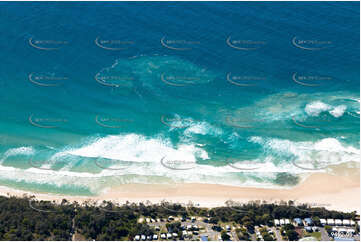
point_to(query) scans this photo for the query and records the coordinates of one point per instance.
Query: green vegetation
(27, 219)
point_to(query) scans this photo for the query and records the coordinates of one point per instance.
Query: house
(276, 222)
(157, 228)
(228, 228)
(308, 229)
(152, 220)
(330, 221)
(193, 219)
(143, 237)
(352, 223)
(338, 222)
(155, 237)
(170, 218)
(298, 222)
(169, 236)
(323, 221)
(315, 229)
(147, 220)
(204, 238)
(137, 237)
(163, 236)
(184, 233)
(287, 221)
(346, 222)
(282, 222)
(351, 231)
(149, 237)
(189, 227)
(175, 235)
(308, 221)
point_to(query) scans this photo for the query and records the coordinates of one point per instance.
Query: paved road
(324, 235)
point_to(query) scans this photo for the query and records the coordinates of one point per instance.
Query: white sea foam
(133, 147)
(17, 151)
(315, 108)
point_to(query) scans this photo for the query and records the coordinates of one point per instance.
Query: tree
(292, 235)
(225, 236)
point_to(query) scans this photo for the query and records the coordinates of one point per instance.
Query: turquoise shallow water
(95, 95)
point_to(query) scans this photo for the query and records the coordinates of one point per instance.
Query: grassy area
(316, 235)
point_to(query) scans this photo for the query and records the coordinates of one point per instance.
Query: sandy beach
(339, 189)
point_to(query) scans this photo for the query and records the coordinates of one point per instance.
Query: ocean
(251, 94)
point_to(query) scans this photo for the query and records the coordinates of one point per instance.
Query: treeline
(27, 219)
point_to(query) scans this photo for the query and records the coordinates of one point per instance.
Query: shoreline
(338, 190)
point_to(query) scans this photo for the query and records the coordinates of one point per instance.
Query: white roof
(346, 221)
(351, 230)
(155, 236)
(287, 221)
(322, 220)
(184, 232)
(338, 221)
(169, 235)
(162, 236)
(137, 237)
(282, 221)
(352, 222)
(277, 221)
(143, 236)
(174, 234)
(147, 219)
(330, 220)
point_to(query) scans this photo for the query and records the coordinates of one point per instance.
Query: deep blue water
(96, 94)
